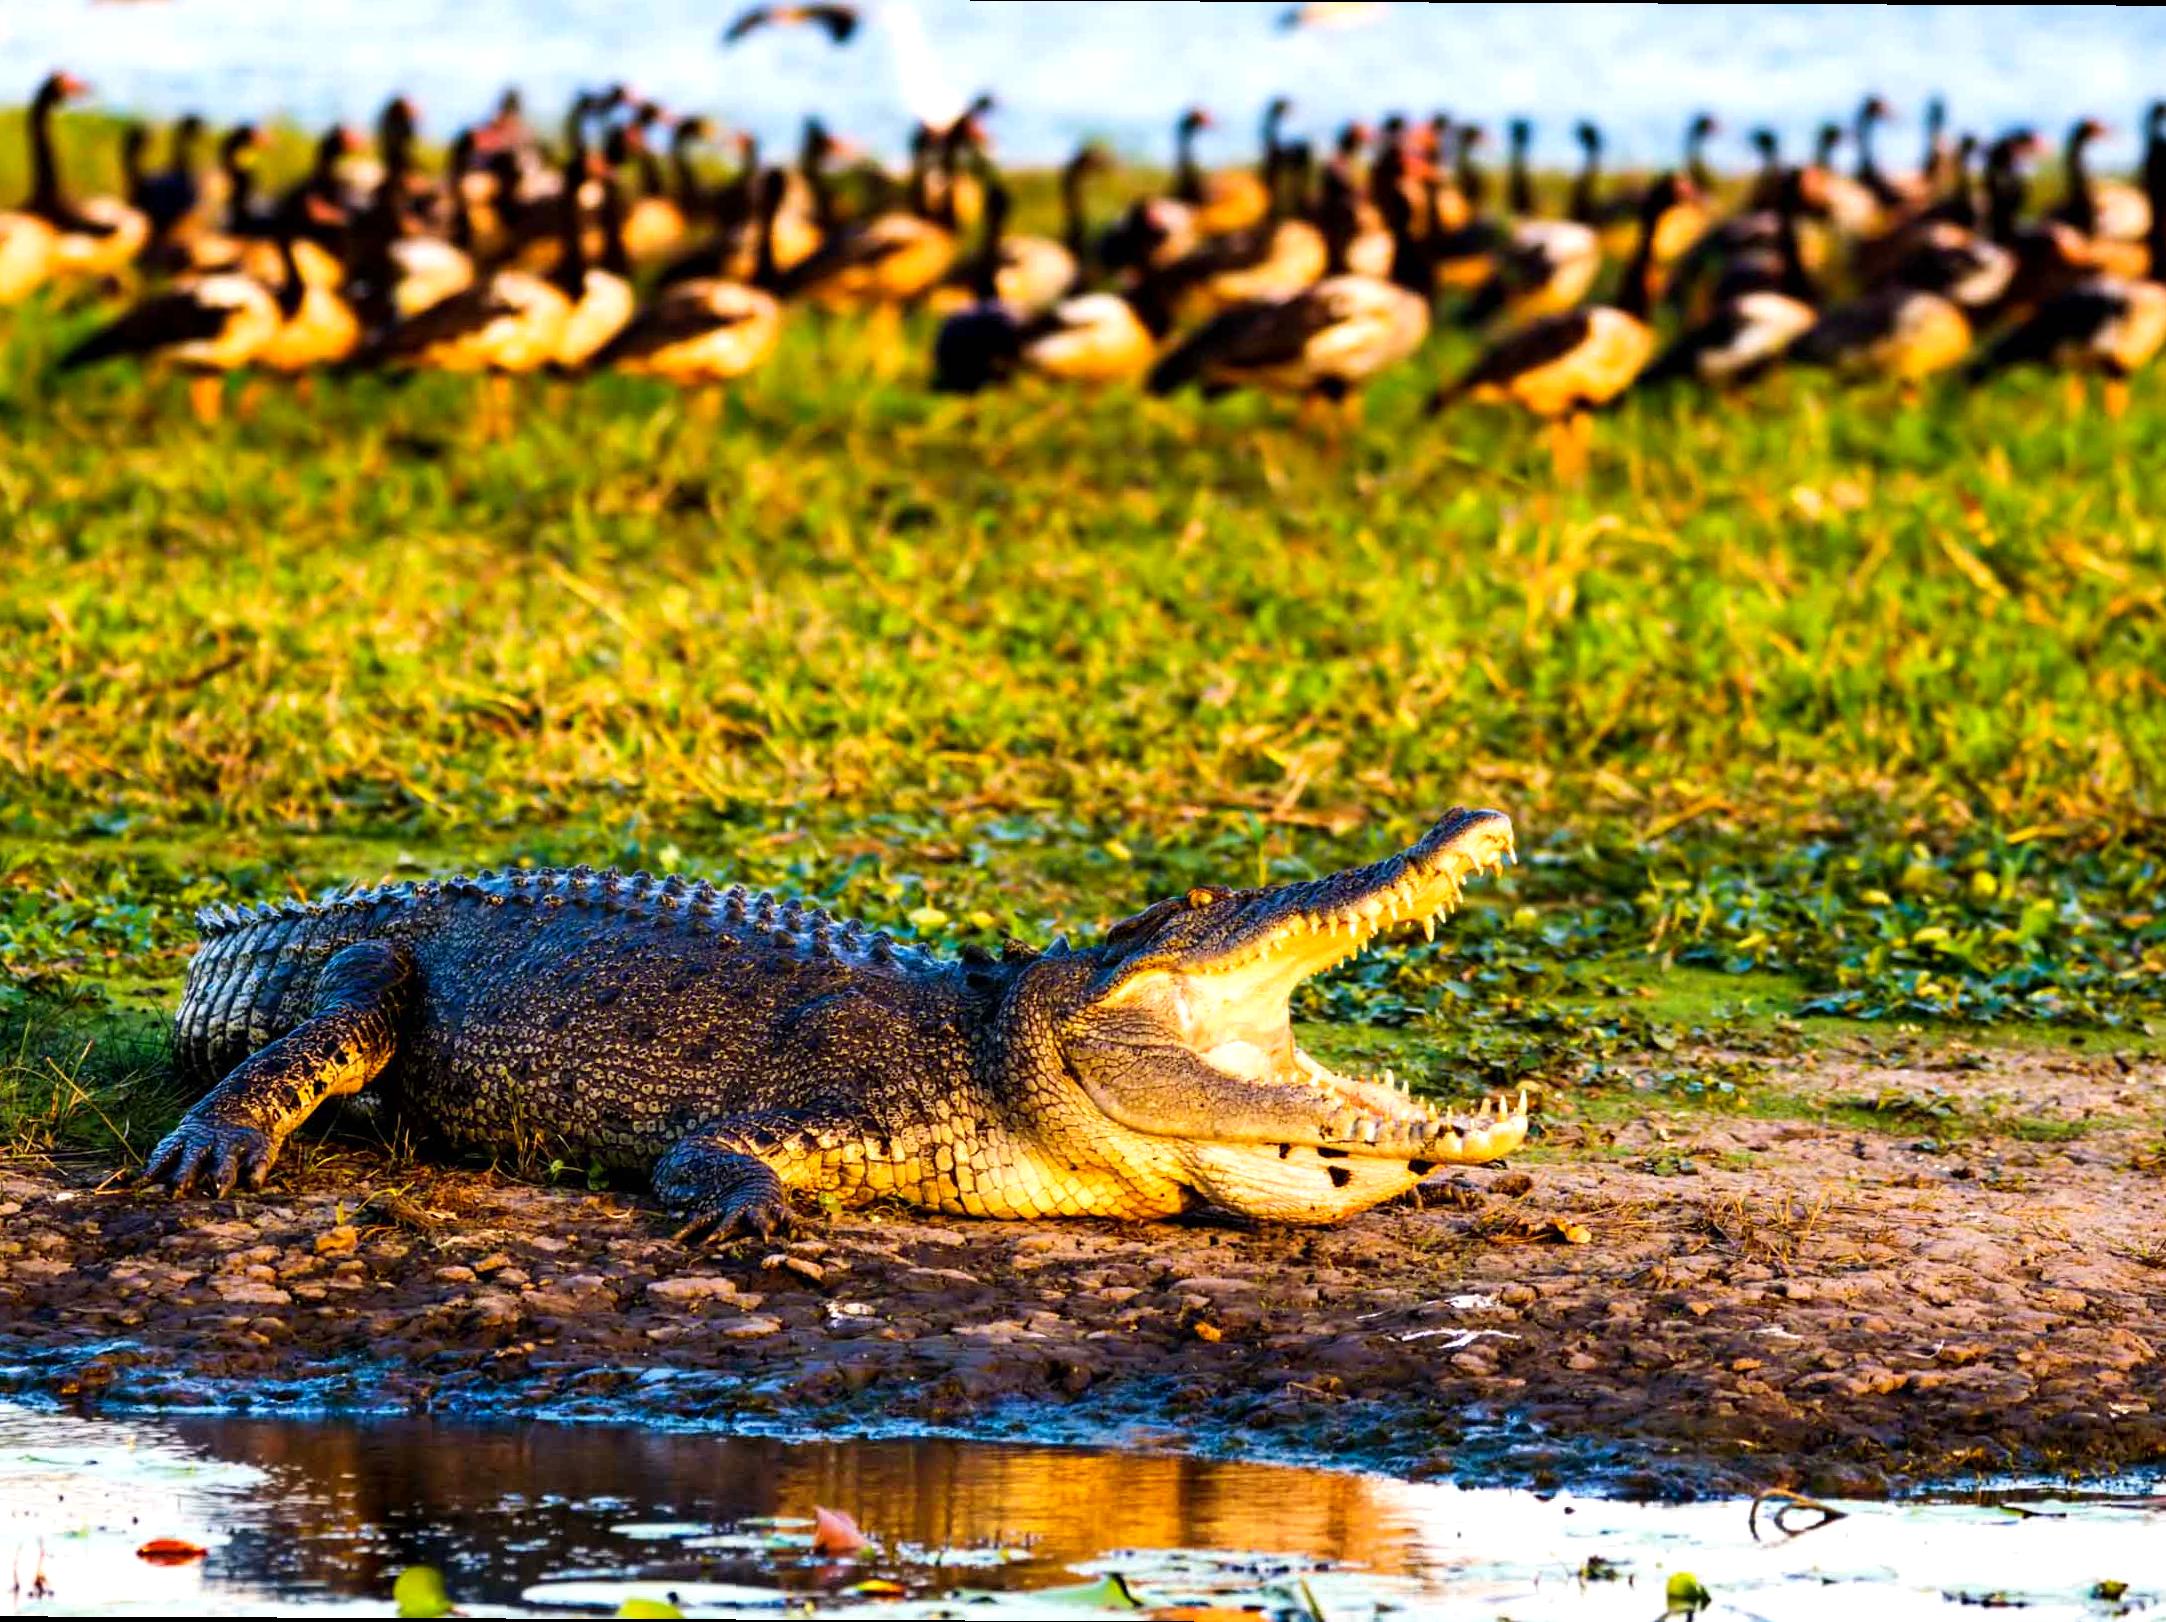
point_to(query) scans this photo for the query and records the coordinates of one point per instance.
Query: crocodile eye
(1200, 897)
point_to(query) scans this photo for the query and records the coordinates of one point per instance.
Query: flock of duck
(1308, 274)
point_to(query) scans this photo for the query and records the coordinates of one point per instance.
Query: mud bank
(1671, 1304)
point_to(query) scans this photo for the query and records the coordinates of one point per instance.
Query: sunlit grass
(1858, 704)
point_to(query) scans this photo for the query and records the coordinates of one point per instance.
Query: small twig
(1791, 1503)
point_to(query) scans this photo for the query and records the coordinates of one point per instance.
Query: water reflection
(304, 1515)
(502, 1508)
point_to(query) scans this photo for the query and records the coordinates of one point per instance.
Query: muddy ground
(1664, 1300)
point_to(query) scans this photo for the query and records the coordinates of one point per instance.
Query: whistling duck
(1032, 273)
(1764, 303)
(243, 224)
(893, 258)
(207, 325)
(601, 294)
(1851, 205)
(1238, 199)
(1356, 238)
(1565, 366)
(709, 330)
(1323, 343)
(318, 326)
(659, 219)
(2108, 325)
(2114, 215)
(1539, 268)
(1092, 338)
(838, 23)
(171, 199)
(1279, 255)
(505, 324)
(93, 236)
(397, 269)
(318, 199)
(1892, 332)
(2051, 256)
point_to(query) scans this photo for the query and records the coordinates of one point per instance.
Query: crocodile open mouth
(1225, 982)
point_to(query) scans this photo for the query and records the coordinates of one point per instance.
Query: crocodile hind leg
(727, 1178)
(234, 1134)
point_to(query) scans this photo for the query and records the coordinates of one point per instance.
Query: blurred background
(1066, 71)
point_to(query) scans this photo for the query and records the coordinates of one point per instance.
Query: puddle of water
(538, 1519)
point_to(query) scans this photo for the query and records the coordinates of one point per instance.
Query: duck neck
(2004, 193)
(1696, 157)
(240, 187)
(1187, 177)
(1867, 170)
(691, 198)
(45, 192)
(1472, 186)
(1636, 296)
(291, 289)
(1075, 227)
(1587, 185)
(571, 220)
(768, 193)
(1797, 281)
(2082, 202)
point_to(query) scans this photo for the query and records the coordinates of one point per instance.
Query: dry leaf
(835, 1533)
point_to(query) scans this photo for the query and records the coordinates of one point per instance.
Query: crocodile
(736, 1047)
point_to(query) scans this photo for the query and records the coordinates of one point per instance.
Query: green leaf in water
(2108, 1590)
(1684, 1593)
(648, 1607)
(420, 1591)
(1110, 1593)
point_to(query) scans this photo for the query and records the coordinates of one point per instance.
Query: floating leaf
(420, 1591)
(1108, 1593)
(1684, 1593)
(171, 1552)
(834, 1533)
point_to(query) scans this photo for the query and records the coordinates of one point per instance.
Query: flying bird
(1330, 14)
(839, 21)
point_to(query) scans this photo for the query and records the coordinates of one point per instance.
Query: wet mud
(1669, 1304)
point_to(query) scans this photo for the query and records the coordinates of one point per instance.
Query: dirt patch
(1677, 1301)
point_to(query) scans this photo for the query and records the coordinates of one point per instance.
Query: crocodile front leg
(728, 1179)
(234, 1134)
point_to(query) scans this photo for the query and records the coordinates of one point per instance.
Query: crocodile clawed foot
(756, 1215)
(210, 1158)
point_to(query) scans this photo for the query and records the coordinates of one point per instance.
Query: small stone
(692, 1289)
(751, 1328)
(337, 1241)
(454, 1274)
(494, 1262)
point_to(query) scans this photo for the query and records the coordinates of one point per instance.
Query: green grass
(1814, 707)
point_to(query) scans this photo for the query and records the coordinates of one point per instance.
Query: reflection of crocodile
(737, 1046)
